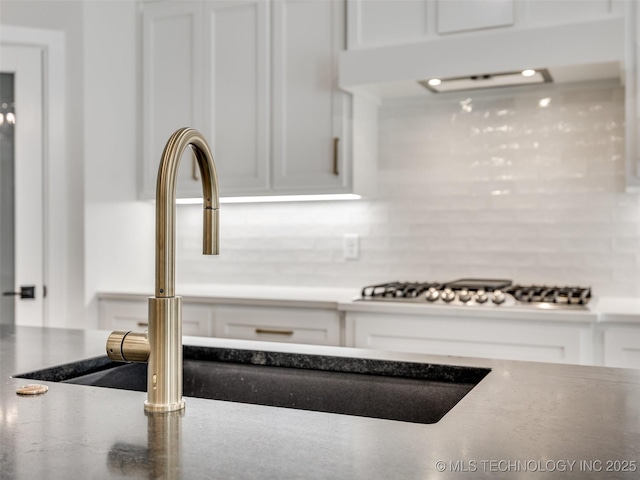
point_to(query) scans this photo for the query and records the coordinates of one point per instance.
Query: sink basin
(401, 391)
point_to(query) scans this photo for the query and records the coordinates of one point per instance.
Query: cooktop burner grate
(480, 292)
(544, 294)
(398, 290)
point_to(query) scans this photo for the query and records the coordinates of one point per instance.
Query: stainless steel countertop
(557, 421)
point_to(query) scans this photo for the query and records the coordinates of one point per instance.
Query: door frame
(25, 64)
(52, 44)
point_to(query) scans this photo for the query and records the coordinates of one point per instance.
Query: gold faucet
(161, 345)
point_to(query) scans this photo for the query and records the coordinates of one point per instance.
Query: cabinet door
(464, 15)
(172, 86)
(133, 315)
(474, 337)
(237, 87)
(622, 347)
(290, 325)
(386, 22)
(309, 141)
(563, 11)
(127, 315)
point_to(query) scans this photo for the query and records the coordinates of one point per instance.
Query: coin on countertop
(32, 389)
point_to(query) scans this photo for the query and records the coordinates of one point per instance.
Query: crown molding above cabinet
(259, 79)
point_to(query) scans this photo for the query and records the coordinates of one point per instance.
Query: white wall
(119, 230)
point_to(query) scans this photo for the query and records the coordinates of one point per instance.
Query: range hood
(478, 82)
(584, 51)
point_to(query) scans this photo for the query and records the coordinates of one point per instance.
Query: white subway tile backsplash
(510, 189)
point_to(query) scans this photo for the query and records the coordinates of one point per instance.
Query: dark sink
(403, 391)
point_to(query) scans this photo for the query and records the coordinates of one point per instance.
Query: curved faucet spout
(166, 204)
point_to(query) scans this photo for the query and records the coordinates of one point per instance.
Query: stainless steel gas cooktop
(480, 292)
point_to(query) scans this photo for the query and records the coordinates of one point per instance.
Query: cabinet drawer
(293, 325)
(473, 337)
(122, 315)
(622, 347)
(133, 315)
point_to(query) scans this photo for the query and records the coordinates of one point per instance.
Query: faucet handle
(128, 346)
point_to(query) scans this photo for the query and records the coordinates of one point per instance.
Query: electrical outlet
(351, 246)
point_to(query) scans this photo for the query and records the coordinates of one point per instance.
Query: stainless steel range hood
(592, 50)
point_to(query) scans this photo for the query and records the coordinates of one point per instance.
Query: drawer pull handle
(269, 331)
(143, 324)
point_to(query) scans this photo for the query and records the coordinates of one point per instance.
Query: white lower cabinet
(512, 339)
(620, 345)
(277, 324)
(585, 341)
(134, 315)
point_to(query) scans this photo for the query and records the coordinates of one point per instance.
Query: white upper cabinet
(374, 23)
(259, 79)
(309, 138)
(386, 22)
(237, 93)
(172, 86)
(543, 12)
(462, 15)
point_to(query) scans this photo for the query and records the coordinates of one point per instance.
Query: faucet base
(164, 374)
(163, 407)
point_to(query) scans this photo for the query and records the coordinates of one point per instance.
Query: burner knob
(498, 297)
(448, 295)
(481, 296)
(464, 296)
(432, 294)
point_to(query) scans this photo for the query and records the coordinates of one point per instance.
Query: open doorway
(7, 212)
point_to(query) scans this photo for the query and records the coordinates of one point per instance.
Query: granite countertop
(558, 421)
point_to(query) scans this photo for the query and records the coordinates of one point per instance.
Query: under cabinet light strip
(274, 198)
